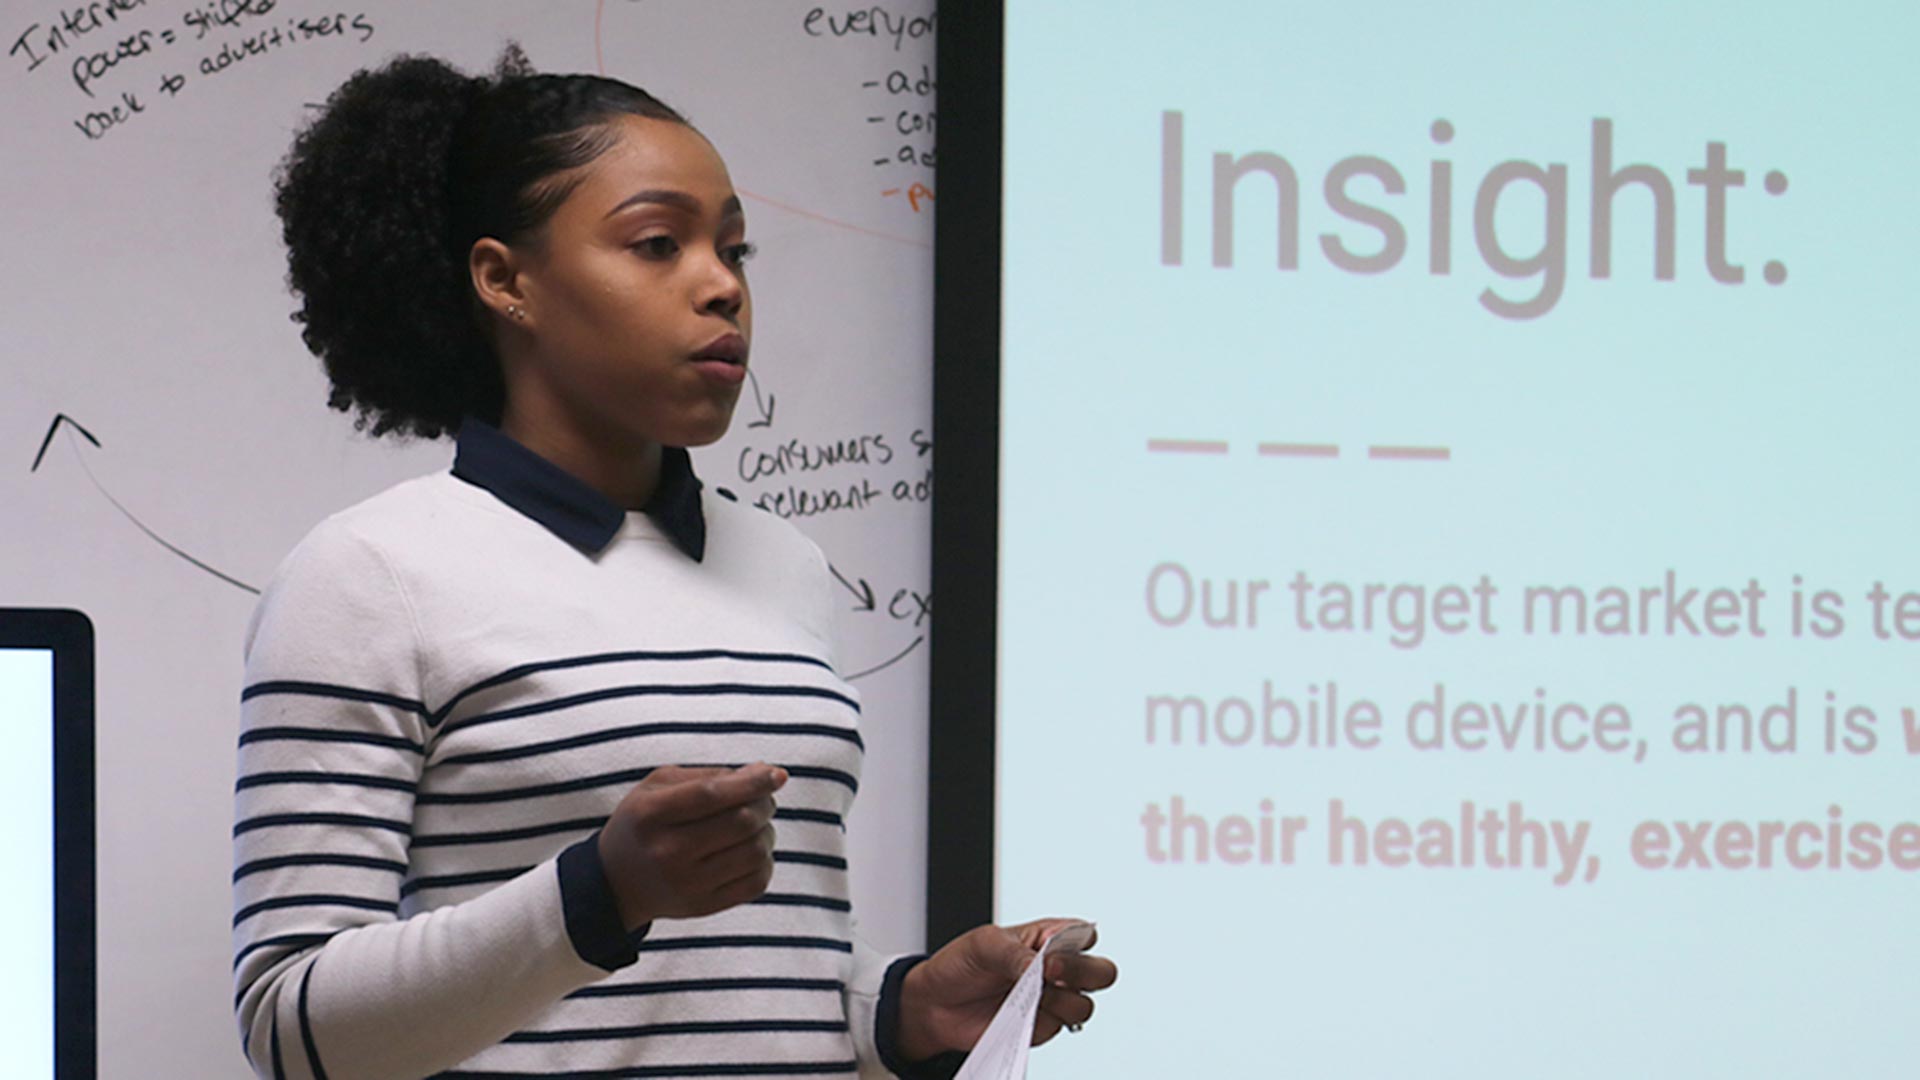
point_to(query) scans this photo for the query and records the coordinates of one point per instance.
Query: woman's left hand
(948, 999)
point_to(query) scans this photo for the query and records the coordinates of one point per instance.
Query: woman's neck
(624, 469)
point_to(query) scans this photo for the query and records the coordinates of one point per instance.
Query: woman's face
(637, 296)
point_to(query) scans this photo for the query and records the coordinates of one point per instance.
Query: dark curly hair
(383, 195)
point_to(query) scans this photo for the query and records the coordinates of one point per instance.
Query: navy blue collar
(568, 506)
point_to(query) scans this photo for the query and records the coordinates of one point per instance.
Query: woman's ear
(496, 275)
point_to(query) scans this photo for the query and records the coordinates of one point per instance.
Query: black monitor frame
(69, 635)
(966, 506)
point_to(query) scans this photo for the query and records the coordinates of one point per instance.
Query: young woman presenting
(517, 737)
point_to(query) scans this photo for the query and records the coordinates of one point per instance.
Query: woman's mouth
(724, 359)
(730, 348)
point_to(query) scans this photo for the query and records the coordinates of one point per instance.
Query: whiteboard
(145, 303)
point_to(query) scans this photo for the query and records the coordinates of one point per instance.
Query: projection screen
(1456, 609)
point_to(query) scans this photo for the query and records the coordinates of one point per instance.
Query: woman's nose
(724, 291)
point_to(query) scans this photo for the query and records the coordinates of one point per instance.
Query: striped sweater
(448, 688)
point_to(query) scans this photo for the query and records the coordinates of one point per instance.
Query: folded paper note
(1001, 1053)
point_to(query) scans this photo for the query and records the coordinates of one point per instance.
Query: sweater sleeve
(331, 981)
(873, 1011)
(864, 1011)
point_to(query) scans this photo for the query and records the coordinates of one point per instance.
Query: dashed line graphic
(1185, 446)
(1290, 449)
(1375, 451)
(1409, 453)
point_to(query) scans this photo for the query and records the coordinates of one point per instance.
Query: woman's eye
(657, 247)
(738, 254)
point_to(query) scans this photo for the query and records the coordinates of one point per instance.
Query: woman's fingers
(1066, 1006)
(1034, 934)
(710, 835)
(1079, 971)
(1060, 1008)
(749, 856)
(691, 841)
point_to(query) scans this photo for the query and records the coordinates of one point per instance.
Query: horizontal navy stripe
(588, 783)
(804, 772)
(680, 1027)
(305, 734)
(486, 877)
(743, 941)
(641, 1072)
(361, 861)
(330, 690)
(787, 813)
(352, 820)
(363, 903)
(818, 772)
(687, 986)
(614, 693)
(451, 881)
(738, 727)
(585, 825)
(266, 779)
(501, 836)
(832, 862)
(524, 670)
(295, 942)
(532, 791)
(774, 899)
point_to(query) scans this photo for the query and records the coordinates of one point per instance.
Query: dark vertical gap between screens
(966, 411)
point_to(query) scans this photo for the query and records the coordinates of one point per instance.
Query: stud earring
(515, 311)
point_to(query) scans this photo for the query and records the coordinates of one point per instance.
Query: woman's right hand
(686, 842)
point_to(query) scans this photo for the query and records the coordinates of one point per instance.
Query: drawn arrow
(901, 655)
(63, 418)
(765, 407)
(864, 593)
(58, 419)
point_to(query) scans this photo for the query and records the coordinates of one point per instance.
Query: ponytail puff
(382, 197)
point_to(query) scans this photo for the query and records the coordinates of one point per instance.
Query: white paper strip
(1001, 1053)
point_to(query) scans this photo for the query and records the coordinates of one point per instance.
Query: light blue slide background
(1725, 432)
(26, 849)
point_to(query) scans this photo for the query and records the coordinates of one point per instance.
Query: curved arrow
(864, 593)
(883, 665)
(60, 418)
(765, 407)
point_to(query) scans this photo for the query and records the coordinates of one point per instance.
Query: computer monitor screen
(47, 950)
(26, 848)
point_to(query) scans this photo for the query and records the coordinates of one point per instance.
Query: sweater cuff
(593, 913)
(886, 1031)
